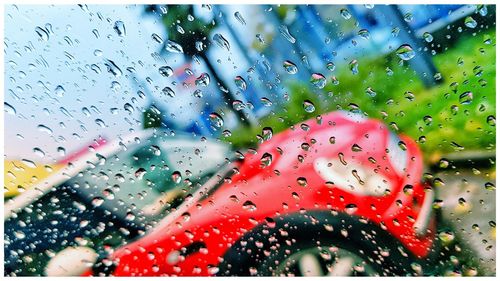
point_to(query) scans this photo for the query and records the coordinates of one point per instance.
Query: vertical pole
(422, 62)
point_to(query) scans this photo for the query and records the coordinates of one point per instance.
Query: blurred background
(228, 72)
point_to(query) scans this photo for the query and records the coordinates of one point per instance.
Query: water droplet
(427, 120)
(203, 80)
(95, 68)
(97, 201)
(444, 163)
(113, 68)
(168, 91)
(309, 106)
(266, 160)
(238, 105)
(482, 10)
(351, 209)
(283, 29)
(364, 34)
(345, 13)
(290, 67)
(166, 71)
(267, 133)
(100, 123)
(130, 216)
(266, 102)
(466, 98)
(446, 237)
(157, 38)
(176, 177)
(491, 120)
(28, 163)
(249, 206)
(221, 41)
(61, 150)
(427, 37)
(173, 47)
(45, 129)
(119, 28)
(302, 181)
(330, 66)
(140, 173)
(353, 66)
(39, 152)
(490, 186)
(42, 33)
(216, 120)
(356, 148)
(128, 107)
(370, 92)
(59, 91)
(395, 31)
(405, 52)
(470, 22)
(456, 146)
(408, 17)
(318, 80)
(240, 18)
(198, 93)
(240, 83)
(9, 109)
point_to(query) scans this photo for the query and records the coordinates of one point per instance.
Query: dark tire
(262, 251)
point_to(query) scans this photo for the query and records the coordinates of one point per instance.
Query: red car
(336, 195)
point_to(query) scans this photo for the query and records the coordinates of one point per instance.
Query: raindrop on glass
(166, 71)
(221, 41)
(45, 129)
(203, 80)
(345, 13)
(9, 109)
(240, 83)
(157, 38)
(284, 31)
(168, 91)
(113, 68)
(427, 37)
(59, 91)
(173, 47)
(364, 34)
(216, 120)
(309, 106)
(466, 98)
(470, 22)
(318, 80)
(42, 33)
(405, 52)
(353, 66)
(240, 18)
(119, 28)
(290, 67)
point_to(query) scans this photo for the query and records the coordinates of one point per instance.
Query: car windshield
(148, 177)
(299, 139)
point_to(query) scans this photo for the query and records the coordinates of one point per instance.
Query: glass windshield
(147, 178)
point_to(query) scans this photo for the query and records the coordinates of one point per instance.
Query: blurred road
(469, 205)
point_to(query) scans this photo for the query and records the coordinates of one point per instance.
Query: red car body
(291, 183)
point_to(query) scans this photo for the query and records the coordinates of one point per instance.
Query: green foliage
(466, 127)
(195, 29)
